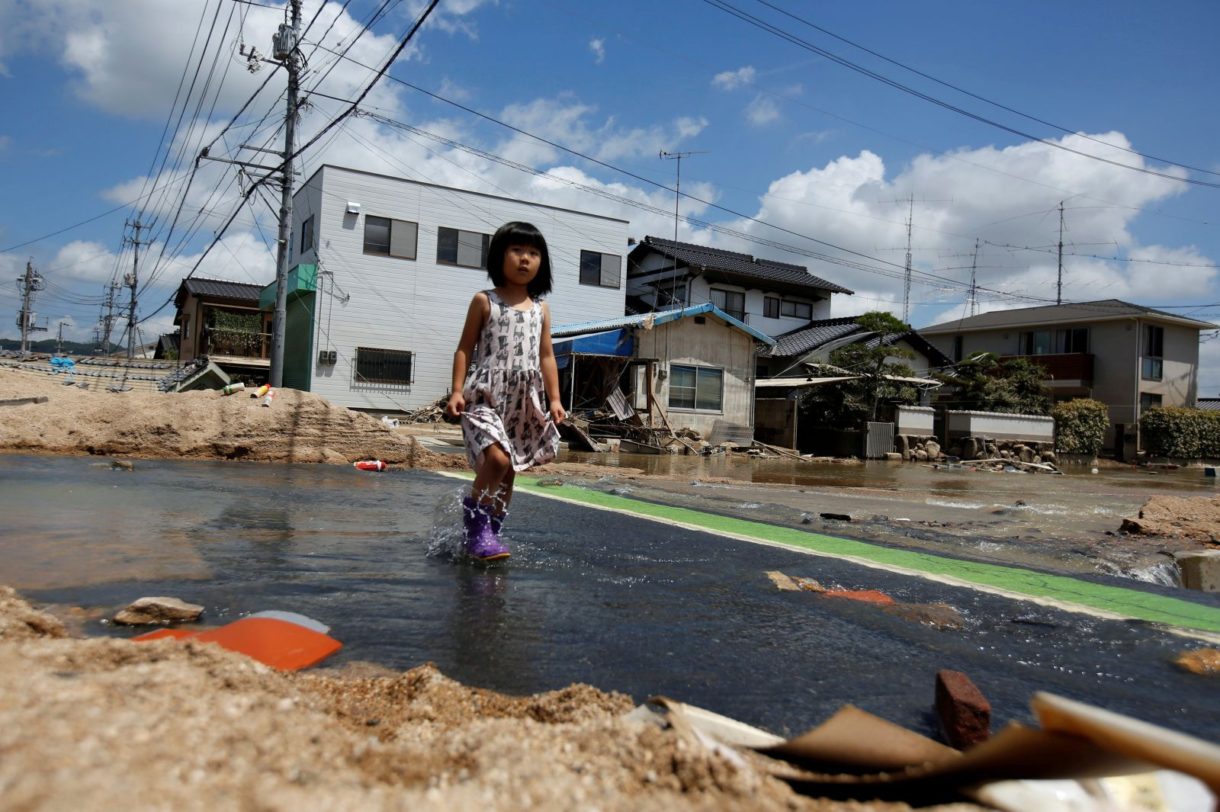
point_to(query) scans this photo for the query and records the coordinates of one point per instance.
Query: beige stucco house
(1130, 357)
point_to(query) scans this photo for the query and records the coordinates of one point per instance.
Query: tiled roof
(715, 261)
(658, 318)
(1076, 312)
(220, 289)
(819, 333)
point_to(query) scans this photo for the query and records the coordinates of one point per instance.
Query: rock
(991, 449)
(122, 465)
(1049, 456)
(782, 582)
(158, 611)
(921, 455)
(810, 585)
(964, 713)
(893, 456)
(1200, 569)
(1025, 453)
(932, 448)
(1202, 661)
(936, 615)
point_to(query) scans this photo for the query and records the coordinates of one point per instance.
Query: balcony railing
(1067, 366)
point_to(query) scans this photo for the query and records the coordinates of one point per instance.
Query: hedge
(1080, 426)
(1182, 433)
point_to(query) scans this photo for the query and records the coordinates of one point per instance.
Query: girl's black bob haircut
(518, 233)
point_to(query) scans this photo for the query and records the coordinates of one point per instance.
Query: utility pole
(974, 291)
(132, 279)
(59, 341)
(906, 276)
(1059, 287)
(676, 156)
(284, 49)
(107, 321)
(29, 283)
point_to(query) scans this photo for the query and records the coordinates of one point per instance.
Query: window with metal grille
(603, 270)
(698, 388)
(465, 248)
(390, 238)
(383, 366)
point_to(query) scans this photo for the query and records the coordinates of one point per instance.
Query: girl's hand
(455, 406)
(557, 412)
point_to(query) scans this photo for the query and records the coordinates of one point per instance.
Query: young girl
(503, 363)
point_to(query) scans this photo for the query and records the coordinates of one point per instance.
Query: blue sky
(797, 157)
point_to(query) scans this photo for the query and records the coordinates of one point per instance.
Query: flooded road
(615, 601)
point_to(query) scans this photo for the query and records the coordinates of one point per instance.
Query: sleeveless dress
(505, 396)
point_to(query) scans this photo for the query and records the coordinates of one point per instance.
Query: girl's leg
(506, 490)
(491, 474)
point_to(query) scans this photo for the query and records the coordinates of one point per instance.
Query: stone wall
(919, 448)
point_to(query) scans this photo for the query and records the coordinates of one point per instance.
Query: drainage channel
(618, 593)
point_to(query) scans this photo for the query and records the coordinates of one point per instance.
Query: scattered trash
(369, 465)
(389, 422)
(158, 611)
(23, 401)
(233, 387)
(863, 595)
(283, 640)
(270, 396)
(964, 713)
(262, 390)
(809, 585)
(836, 517)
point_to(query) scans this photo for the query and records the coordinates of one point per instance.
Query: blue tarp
(610, 342)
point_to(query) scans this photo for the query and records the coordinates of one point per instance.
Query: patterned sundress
(505, 396)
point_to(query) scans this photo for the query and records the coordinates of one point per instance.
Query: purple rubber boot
(481, 541)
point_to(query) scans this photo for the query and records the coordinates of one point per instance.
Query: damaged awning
(607, 343)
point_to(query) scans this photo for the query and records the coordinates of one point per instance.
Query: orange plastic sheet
(278, 643)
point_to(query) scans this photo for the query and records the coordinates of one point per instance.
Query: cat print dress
(505, 396)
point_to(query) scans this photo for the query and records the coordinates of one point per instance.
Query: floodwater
(611, 600)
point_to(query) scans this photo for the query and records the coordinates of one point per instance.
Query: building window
(1050, 342)
(771, 307)
(1149, 401)
(799, 310)
(306, 235)
(1153, 366)
(390, 238)
(958, 346)
(383, 366)
(602, 270)
(698, 388)
(732, 302)
(467, 249)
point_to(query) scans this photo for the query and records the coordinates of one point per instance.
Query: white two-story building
(383, 270)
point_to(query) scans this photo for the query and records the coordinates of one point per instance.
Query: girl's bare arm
(476, 315)
(550, 371)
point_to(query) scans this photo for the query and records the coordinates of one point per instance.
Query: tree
(984, 383)
(875, 360)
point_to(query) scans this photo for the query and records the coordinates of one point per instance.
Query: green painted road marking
(1060, 591)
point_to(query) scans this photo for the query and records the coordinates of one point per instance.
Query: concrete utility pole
(29, 283)
(107, 321)
(132, 279)
(906, 277)
(284, 49)
(1059, 287)
(974, 290)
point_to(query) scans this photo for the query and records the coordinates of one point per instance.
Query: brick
(963, 711)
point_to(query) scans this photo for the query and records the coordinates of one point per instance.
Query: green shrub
(1182, 433)
(1080, 426)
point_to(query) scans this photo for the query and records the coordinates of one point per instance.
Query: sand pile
(297, 427)
(1194, 518)
(110, 724)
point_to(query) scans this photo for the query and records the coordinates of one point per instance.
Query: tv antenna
(678, 156)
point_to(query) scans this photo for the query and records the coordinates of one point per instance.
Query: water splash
(445, 540)
(1164, 573)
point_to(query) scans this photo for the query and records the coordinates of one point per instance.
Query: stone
(158, 611)
(933, 449)
(921, 455)
(963, 711)
(1204, 662)
(893, 456)
(1049, 456)
(991, 449)
(1200, 569)
(782, 582)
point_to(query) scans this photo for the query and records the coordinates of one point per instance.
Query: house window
(467, 249)
(390, 238)
(671, 293)
(732, 302)
(799, 310)
(698, 388)
(383, 366)
(958, 347)
(771, 307)
(306, 235)
(1153, 366)
(602, 270)
(1049, 342)
(1149, 401)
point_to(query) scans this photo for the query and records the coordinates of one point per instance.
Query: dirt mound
(297, 427)
(1193, 518)
(107, 723)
